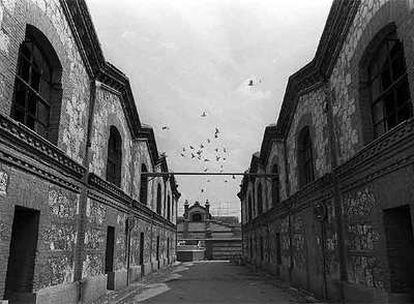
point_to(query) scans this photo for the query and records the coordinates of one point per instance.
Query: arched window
(275, 186)
(114, 164)
(143, 191)
(259, 199)
(389, 90)
(196, 217)
(305, 159)
(168, 207)
(37, 90)
(159, 199)
(250, 207)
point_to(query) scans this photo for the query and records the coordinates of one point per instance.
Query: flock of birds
(209, 150)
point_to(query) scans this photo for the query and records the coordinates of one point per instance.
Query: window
(37, 89)
(143, 191)
(114, 164)
(159, 197)
(388, 86)
(250, 207)
(259, 199)
(305, 159)
(196, 217)
(275, 186)
(168, 207)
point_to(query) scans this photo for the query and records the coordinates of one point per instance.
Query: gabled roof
(340, 18)
(82, 27)
(146, 132)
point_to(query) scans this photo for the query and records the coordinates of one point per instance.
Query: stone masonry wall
(49, 18)
(311, 105)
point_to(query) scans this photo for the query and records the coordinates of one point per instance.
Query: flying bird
(182, 154)
(224, 159)
(165, 128)
(216, 149)
(206, 169)
(201, 146)
(183, 149)
(224, 150)
(233, 177)
(217, 158)
(202, 190)
(208, 140)
(250, 84)
(191, 147)
(206, 159)
(192, 155)
(204, 114)
(208, 181)
(226, 181)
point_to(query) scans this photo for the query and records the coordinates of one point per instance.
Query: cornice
(95, 182)
(32, 144)
(146, 132)
(339, 20)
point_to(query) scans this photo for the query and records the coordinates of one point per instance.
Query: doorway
(168, 250)
(22, 255)
(400, 248)
(109, 257)
(141, 251)
(158, 252)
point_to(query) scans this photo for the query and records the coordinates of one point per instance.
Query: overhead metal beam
(155, 174)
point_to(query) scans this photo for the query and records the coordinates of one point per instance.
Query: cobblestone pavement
(208, 282)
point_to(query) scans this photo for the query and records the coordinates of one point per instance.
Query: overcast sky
(186, 57)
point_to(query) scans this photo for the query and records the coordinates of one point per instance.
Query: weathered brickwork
(48, 16)
(108, 112)
(347, 233)
(56, 207)
(312, 105)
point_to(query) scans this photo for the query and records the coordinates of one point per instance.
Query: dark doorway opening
(141, 251)
(109, 257)
(158, 251)
(168, 250)
(278, 250)
(400, 248)
(20, 268)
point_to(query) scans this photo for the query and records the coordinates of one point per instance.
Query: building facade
(219, 235)
(335, 214)
(76, 216)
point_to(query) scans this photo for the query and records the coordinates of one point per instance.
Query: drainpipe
(332, 140)
(289, 211)
(80, 238)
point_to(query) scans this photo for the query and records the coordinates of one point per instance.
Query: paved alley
(211, 282)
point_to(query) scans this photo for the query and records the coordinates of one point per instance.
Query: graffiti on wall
(94, 239)
(364, 266)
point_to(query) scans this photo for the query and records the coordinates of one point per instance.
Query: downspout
(80, 238)
(289, 209)
(332, 140)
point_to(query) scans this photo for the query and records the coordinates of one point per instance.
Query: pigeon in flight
(233, 177)
(224, 150)
(206, 169)
(192, 155)
(216, 133)
(250, 84)
(202, 190)
(208, 140)
(226, 181)
(182, 154)
(206, 159)
(204, 114)
(217, 158)
(201, 146)
(165, 128)
(216, 149)
(191, 147)
(183, 149)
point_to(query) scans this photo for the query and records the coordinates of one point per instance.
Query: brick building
(76, 218)
(220, 235)
(336, 216)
